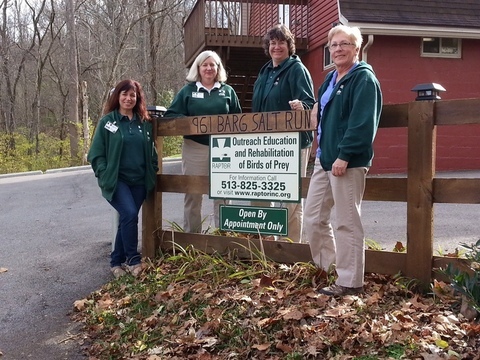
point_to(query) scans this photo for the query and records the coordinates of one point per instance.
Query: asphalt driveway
(55, 240)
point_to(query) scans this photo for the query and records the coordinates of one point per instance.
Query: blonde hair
(353, 34)
(193, 74)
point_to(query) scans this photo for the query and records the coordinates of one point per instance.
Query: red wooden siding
(296, 11)
(259, 11)
(298, 20)
(323, 13)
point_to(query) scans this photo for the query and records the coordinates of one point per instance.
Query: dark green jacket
(292, 81)
(350, 118)
(105, 151)
(219, 101)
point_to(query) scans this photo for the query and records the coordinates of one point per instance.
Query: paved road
(386, 222)
(55, 239)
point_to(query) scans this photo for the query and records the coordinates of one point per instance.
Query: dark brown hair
(113, 102)
(282, 33)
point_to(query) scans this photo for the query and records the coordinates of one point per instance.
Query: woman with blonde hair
(205, 94)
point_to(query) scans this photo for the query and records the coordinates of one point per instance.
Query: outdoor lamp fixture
(156, 111)
(428, 91)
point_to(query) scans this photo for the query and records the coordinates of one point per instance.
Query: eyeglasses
(342, 46)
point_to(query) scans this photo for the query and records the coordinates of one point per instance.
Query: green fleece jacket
(190, 101)
(349, 121)
(291, 81)
(106, 149)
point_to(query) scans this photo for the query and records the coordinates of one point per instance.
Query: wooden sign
(275, 121)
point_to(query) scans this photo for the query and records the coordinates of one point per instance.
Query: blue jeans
(127, 200)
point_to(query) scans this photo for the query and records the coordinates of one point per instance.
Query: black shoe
(338, 290)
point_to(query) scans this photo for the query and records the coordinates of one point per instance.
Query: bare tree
(13, 62)
(44, 36)
(120, 28)
(86, 130)
(159, 33)
(49, 47)
(72, 108)
(6, 89)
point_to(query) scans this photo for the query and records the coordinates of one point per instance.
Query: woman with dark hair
(124, 159)
(283, 84)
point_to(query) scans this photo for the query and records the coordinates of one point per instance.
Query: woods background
(59, 60)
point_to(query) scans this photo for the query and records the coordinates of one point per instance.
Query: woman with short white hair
(349, 107)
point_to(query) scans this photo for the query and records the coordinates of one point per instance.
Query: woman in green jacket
(205, 94)
(124, 159)
(284, 84)
(349, 107)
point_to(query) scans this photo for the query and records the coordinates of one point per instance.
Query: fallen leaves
(270, 312)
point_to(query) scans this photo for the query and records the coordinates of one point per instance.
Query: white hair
(353, 33)
(193, 74)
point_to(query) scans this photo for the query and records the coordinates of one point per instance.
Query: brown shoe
(117, 271)
(338, 290)
(135, 270)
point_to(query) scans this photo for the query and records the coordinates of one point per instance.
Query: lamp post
(156, 111)
(428, 91)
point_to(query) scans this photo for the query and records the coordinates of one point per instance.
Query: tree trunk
(73, 93)
(86, 127)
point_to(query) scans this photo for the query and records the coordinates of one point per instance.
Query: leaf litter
(197, 306)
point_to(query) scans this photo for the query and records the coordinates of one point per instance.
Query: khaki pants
(295, 210)
(196, 161)
(344, 244)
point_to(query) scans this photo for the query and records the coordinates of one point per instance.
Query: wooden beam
(377, 189)
(385, 262)
(264, 122)
(149, 244)
(382, 262)
(193, 184)
(379, 262)
(394, 115)
(456, 191)
(457, 112)
(385, 189)
(278, 251)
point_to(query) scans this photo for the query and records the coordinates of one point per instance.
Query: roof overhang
(411, 30)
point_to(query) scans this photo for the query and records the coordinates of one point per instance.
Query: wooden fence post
(148, 226)
(421, 171)
(152, 207)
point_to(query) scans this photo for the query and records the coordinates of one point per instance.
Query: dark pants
(127, 200)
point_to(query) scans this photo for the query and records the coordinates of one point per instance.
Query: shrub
(172, 145)
(19, 154)
(466, 281)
